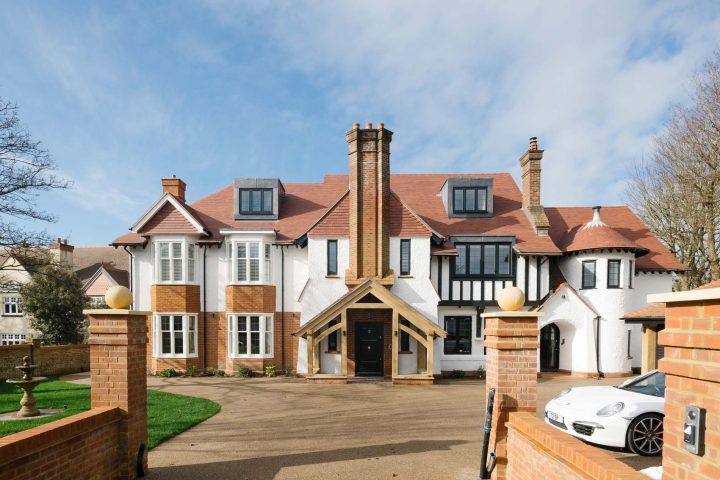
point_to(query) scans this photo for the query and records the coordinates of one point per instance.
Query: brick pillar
(692, 367)
(511, 339)
(118, 349)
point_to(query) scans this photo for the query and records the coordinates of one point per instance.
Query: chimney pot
(380, 126)
(533, 143)
(368, 125)
(356, 125)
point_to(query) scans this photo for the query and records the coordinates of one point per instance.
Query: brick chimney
(530, 163)
(175, 186)
(369, 178)
(62, 251)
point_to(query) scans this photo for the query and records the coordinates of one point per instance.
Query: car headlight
(610, 410)
(562, 394)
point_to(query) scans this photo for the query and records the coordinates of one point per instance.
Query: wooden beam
(316, 357)
(421, 358)
(429, 350)
(327, 332)
(649, 349)
(310, 356)
(395, 341)
(369, 305)
(343, 350)
(414, 334)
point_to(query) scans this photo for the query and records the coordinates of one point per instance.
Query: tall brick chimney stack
(175, 186)
(530, 163)
(62, 251)
(369, 178)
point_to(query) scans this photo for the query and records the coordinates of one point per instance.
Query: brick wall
(537, 450)
(175, 298)
(82, 446)
(692, 366)
(250, 299)
(51, 359)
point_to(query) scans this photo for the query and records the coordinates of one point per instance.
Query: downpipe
(486, 467)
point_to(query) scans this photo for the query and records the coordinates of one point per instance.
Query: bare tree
(26, 169)
(677, 191)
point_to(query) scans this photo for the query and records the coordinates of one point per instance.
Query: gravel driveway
(282, 428)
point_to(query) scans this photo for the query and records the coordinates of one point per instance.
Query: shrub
(289, 372)
(270, 371)
(191, 371)
(220, 373)
(245, 373)
(210, 372)
(167, 373)
(457, 374)
(481, 372)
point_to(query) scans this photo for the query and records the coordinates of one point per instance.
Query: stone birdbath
(27, 383)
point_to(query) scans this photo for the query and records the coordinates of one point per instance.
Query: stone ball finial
(118, 297)
(511, 299)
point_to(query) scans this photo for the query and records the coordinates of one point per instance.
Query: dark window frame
(456, 337)
(406, 241)
(475, 208)
(619, 264)
(585, 286)
(248, 210)
(404, 338)
(631, 273)
(465, 247)
(331, 272)
(333, 337)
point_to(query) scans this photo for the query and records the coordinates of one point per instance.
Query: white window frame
(265, 319)
(264, 261)
(189, 320)
(12, 338)
(12, 301)
(188, 254)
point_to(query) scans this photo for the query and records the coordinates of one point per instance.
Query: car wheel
(645, 435)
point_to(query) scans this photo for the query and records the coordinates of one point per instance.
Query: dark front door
(368, 349)
(550, 348)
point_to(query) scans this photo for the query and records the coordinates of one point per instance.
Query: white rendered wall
(142, 269)
(417, 288)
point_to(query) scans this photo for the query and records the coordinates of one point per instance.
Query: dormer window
(470, 199)
(256, 201)
(258, 198)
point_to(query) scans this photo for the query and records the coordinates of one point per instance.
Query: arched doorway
(549, 348)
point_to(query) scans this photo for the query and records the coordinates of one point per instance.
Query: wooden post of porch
(310, 354)
(316, 356)
(429, 352)
(649, 348)
(395, 341)
(343, 347)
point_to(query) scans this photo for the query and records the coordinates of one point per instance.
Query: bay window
(175, 335)
(250, 335)
(174, 261)
(251, 261)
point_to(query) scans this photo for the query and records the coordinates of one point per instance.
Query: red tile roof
(625, 230)
(713, 284)
(652, 311)
(167, 220)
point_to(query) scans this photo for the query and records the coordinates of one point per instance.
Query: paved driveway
(285, 429)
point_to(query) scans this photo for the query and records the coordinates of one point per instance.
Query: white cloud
(464, 84)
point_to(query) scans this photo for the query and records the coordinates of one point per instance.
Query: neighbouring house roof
(371, 286)
(322, 209)
(623, 230)
(88, 260)
(713, 284)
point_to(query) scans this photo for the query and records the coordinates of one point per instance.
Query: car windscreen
(653, 384)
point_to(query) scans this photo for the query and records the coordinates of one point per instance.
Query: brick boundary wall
(82, 446)
(50, 359)
(537, 450)
(692, 366)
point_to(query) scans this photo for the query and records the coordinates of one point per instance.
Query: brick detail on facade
(537, 450)
(692, 365)
(167, 220)
(118, 353)
(50, 359)
(82, 446)
(369, 209)
(250, 299)
(370, 315)
(511, 365)
(175, 298)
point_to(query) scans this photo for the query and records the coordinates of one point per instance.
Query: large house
(97, 267)
(380, 274)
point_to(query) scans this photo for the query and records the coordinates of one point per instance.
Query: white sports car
(628, 416)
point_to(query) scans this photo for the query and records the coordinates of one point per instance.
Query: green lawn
(168, 413)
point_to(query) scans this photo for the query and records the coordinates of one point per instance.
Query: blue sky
(124, 93)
